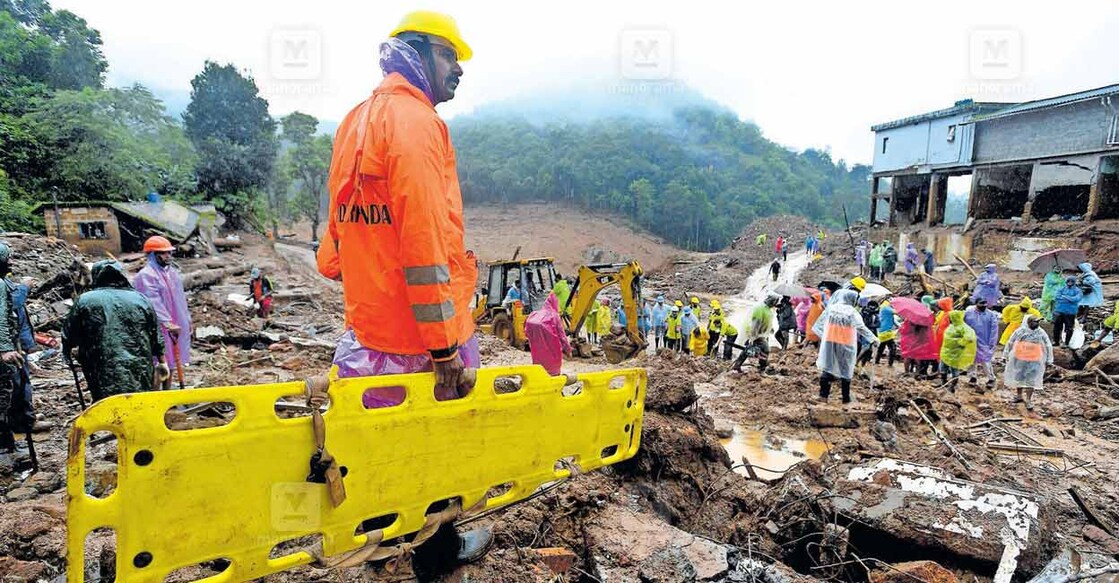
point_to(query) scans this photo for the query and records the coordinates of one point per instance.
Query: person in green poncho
(115, 329)
(1054, 280)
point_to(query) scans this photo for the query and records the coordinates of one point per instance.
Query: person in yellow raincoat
(1012, 317)
(699, 341)
(591, 322)
(957, 351)
(605, 320)
(1112, 321)
(672, 331)
(715, 328)
(730, 334)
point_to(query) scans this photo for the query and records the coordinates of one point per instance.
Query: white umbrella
(873, 291)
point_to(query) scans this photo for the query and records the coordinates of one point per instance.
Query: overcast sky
(811, 74)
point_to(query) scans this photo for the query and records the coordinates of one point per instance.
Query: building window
(1113, 135)
(952, 132)
(92, 230)
(884, 142)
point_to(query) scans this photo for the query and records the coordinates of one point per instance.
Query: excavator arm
(592, 280)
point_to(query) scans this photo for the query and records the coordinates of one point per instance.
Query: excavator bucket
(617, 352)
(238, 495)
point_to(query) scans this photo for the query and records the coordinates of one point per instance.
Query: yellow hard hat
(715, 304)
(435, 24)
(679, 304)
(695, 300)
(859, 283)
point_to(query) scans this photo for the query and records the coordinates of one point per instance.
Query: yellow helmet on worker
(435, 24)
(695, 301)
(858, 283)
(715, 305)
(679, 304)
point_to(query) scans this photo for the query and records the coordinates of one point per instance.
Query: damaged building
(1038, 160)
(96, 227)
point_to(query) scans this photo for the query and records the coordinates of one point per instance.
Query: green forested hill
(695, 179)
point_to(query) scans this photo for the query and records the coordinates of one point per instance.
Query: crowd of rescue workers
(860, 321)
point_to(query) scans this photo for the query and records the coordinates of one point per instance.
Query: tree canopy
(695, 180)
(228, 123)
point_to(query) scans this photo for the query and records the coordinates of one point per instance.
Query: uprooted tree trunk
(1107, 360)
(208, 277)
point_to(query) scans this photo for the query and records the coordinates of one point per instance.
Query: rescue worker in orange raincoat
(397, 225)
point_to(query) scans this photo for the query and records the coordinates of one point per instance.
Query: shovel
(77, 381)
(178, 363)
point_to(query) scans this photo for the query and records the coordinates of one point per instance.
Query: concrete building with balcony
(1055, 157)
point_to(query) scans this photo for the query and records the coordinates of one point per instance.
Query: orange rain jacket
(396, 214)
(326, 258)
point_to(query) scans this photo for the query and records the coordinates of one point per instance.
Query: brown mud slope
(573, 237)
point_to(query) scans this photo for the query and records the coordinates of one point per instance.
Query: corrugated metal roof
(965, 106)
(179, 221)
(1051, 102)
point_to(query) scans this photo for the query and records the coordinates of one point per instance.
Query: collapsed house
(98, 227)
(1038, 160)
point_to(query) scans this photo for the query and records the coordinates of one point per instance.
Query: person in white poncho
(1027, 353)
(839, 329)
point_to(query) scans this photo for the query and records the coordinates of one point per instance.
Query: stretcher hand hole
(101, 452)
(508, 384)
(295, 546)
(382, 522)
(99, 554)
(199, 416)
(499, 490)
(383, 397)
(565, 464)
(203, 570)
(609, 451)
(295, 406)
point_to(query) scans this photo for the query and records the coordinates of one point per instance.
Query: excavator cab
(535, 277)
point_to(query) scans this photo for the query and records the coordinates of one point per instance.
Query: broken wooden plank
(941, 436)
(1088, 512)
(995, 420)
(1021, 448)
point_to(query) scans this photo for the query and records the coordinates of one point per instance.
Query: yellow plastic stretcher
(237, 491)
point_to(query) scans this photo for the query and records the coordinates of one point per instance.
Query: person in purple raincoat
(987, 286)
(163, 286)
(986, 325)
(912, 259)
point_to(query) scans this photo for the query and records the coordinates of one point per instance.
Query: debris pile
(740, 476)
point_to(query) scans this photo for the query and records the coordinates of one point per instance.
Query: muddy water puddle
(770, 455)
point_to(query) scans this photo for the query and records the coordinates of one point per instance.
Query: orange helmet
(157, 244)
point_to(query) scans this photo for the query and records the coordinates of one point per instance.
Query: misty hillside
(694, 176)
(589, 101)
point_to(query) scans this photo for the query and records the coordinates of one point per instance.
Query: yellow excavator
(536, 277)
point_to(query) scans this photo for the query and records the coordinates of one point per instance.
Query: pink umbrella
(912, 310)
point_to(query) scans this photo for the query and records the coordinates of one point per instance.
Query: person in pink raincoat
(547, 339)
(162, 284)
(800, 306)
